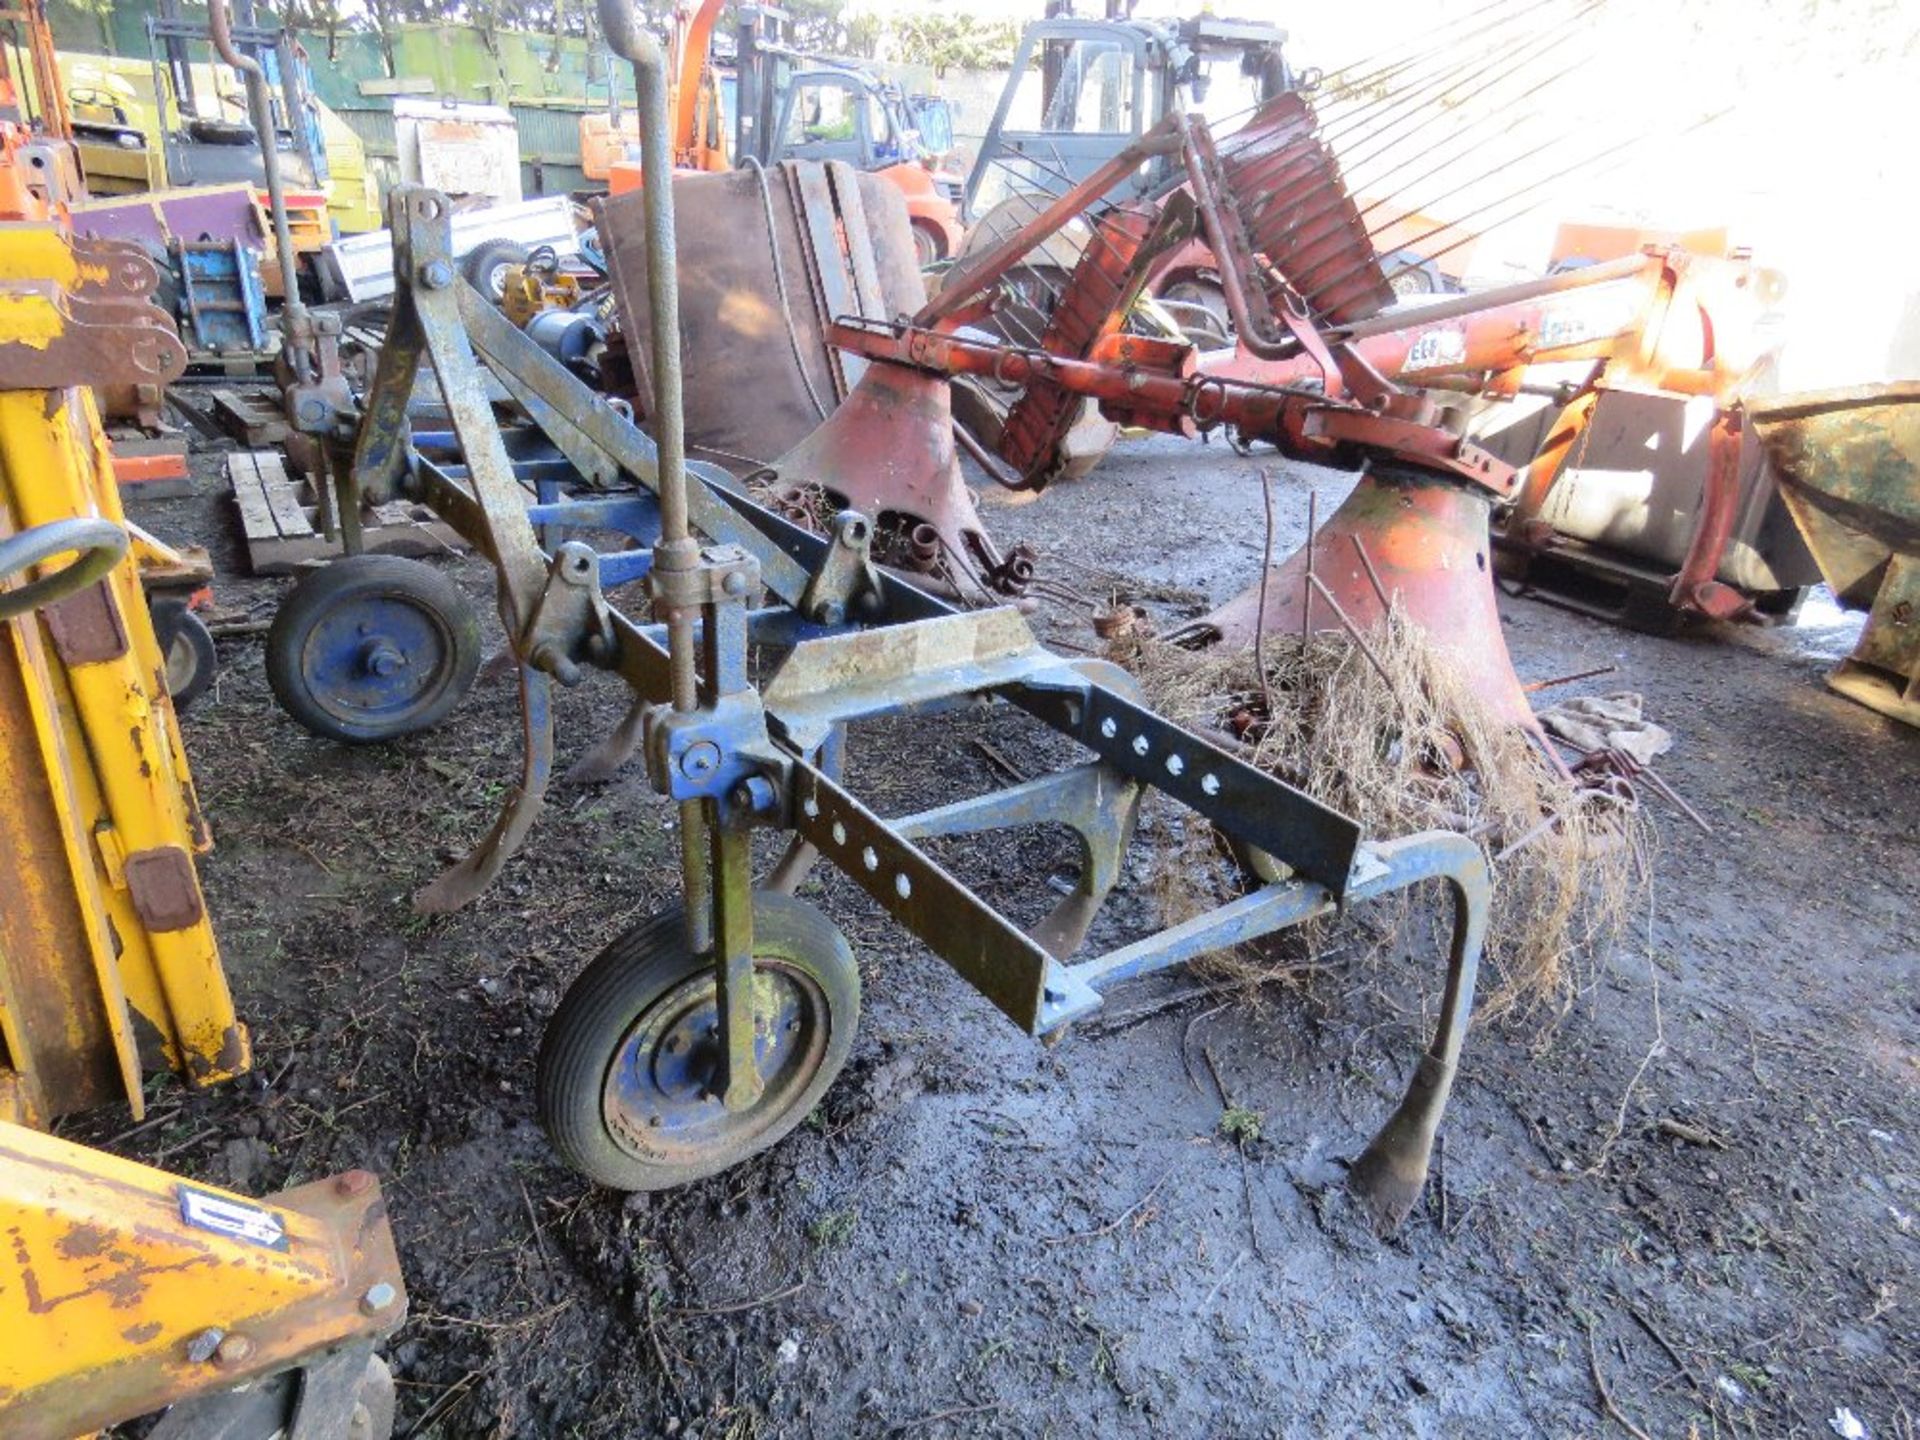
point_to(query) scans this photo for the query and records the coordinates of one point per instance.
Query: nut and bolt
(755, 793)
(378, 1297)
(437, 276)
(735, 583)
(549, 656)
(202, 1344)
(233, 1350)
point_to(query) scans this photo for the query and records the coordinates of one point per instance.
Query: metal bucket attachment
(1848, 463)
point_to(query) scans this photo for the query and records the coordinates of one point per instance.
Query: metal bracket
(706, 754)
(571, 619)
(846, 583)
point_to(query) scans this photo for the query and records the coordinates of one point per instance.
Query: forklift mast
(203, 149)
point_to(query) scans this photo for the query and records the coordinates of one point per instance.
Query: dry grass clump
(1403, 748)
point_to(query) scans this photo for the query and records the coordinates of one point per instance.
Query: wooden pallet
(255, 420)
(280, 518)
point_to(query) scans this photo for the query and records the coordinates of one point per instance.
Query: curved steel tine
(463, 882)
(614, 749)
(1391, 1172)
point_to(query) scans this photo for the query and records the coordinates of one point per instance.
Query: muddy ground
(979, 1235)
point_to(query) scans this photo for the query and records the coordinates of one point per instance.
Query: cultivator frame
(861, 644)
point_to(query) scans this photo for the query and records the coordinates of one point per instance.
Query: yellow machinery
(122, 1288)
(125, 1290)
(91, 759)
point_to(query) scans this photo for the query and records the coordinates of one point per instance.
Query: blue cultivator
(707, 1033)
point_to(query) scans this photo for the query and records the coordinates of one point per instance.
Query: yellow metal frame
(106, 950)
(124, 1288)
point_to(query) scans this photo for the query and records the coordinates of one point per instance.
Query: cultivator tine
(1391, 1172)
(612, 750)
(463, 882)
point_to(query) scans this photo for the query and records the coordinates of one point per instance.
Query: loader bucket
(1425, 541)
(1848, 463)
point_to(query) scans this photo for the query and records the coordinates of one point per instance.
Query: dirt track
(978, 1235)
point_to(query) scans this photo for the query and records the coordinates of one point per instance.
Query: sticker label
(1564, 327)
(1437, 347)
(1593, 317)
(254, 1224)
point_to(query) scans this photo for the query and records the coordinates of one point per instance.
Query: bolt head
(201, 1344)
(233, 1350)
(735, 583)
(437, 276)
(378, 1297)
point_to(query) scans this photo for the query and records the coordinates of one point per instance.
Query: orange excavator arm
(687, 57)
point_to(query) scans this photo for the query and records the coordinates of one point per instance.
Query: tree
(945, 40)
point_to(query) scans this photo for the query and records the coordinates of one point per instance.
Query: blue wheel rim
(661, 1102)
(373, 660)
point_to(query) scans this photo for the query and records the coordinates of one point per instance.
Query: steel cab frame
(859, 644)
(1160, 58)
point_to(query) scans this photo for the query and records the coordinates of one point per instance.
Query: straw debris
(1390, 736)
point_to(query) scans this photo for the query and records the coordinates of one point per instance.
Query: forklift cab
(834, 115)
(1083, 90)
(844, 115)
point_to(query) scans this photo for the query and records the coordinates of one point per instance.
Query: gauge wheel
(186, 649)
(486, 266)
(630, 1061)
(371, 648)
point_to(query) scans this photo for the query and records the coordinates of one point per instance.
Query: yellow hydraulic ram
(107, 958)
(124, 1289)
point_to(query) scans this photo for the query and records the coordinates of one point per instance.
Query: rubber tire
(352, 576)
(638, 966)
(483, 265)
(175, 625)
(929, 245)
